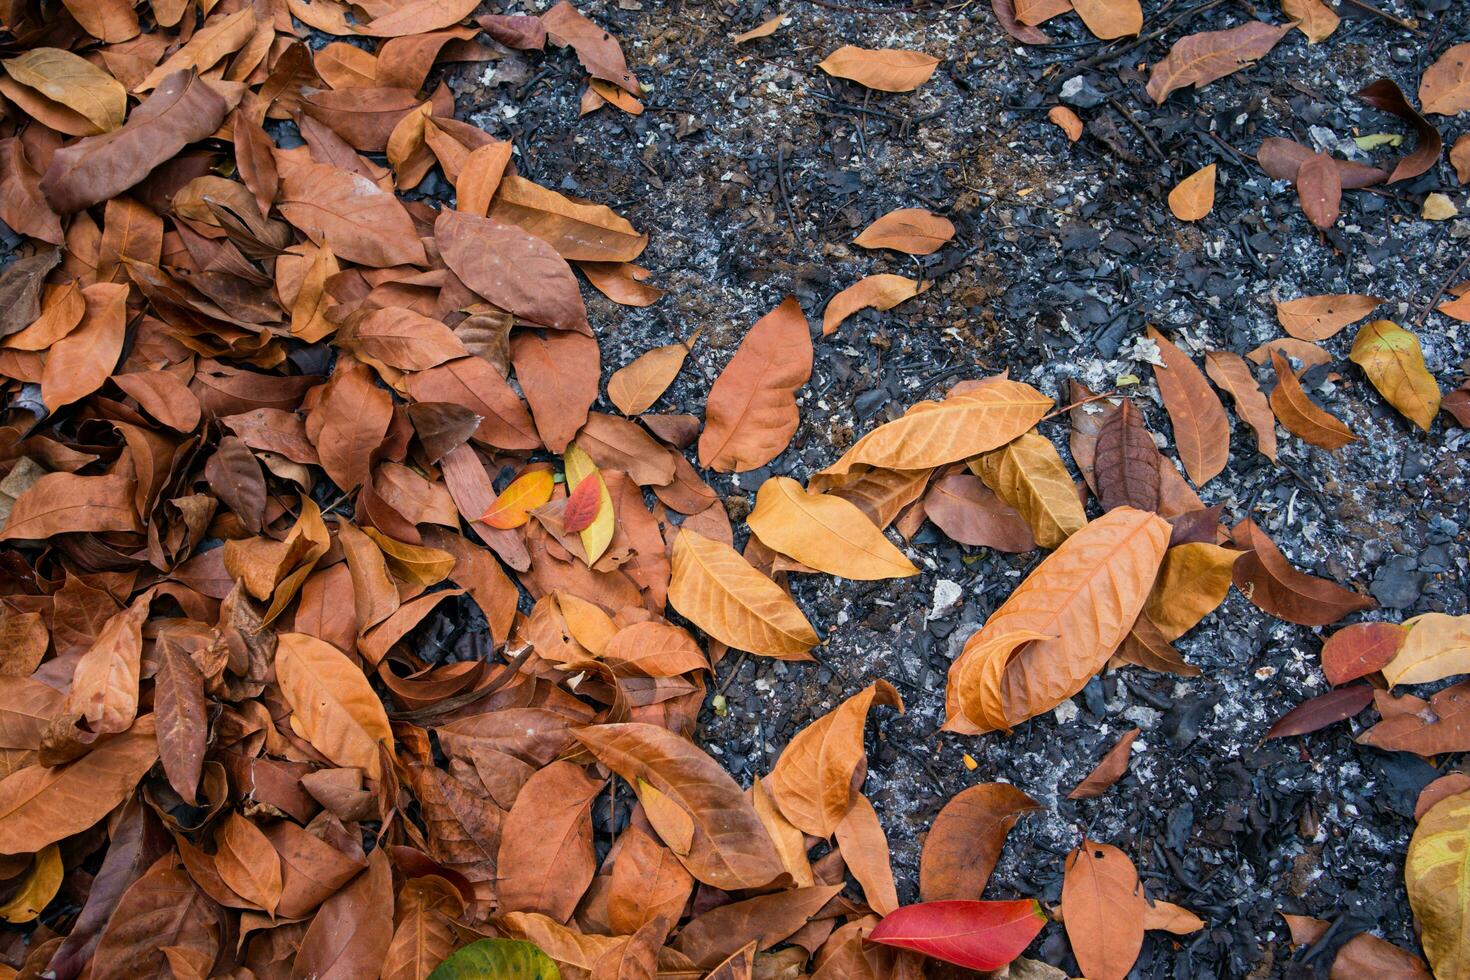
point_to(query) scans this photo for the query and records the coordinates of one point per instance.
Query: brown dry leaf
(1460, 158)
(579, 232)
(1067, 120)
(864, 848)
(218, 37)
(884, 69)
(1029, 475)
(730, 848)
(1411, 724)
(966, 838)
(824, 532)
(1126, 465)
(1104, 910)
(248, 863)
(1233, 376)
(1201, 430)
(61, 503)
(765, 29)
(403, 339)
(1033, 12)
(751, 412)
(1436, 646)
(1300, 414)
(597, 50)
(1312, 17)
(512, 269)
(721, 593)
(333, 706)
(75, 83)
(969, 512)
(1211, 55)
(1193, 580)
(1310, 354)
(558, 375)
(1360, 649)
(347, 211)
(932, 434)
(546, 860)
(712, 937)
(1445, 87)
(1269, 581)
(881, 292)
(1109, 19)
(1319, 187)
(1119, 553)
(1194, 196)
(812, 780)
(1391, 358)
(912, 230)
(634, 387)
(1108, 771)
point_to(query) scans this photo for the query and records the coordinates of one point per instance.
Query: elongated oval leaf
(885, 69)
(1435, 876)
(723, 595)
(333, 706)
(1391, 358)
(751, 412)
(974, 935)
(824, 532)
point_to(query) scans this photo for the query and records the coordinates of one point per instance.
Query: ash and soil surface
(752, 171)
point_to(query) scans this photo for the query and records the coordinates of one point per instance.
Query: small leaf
(1445, 87)
(1028, 473)
(599, 532)
(526, 492)
(1233, 376)
(966, 838)
(1319, 187)
(1109, 19)
(503, 959)
(1360, 649)
(1201, 429)
(1103, 910)
(1194, 196)
(1300, 415)
(1108, 771)
(1067, 121)
(582, 506)
(886, 69)
(881, 292)
(974, 935)
(635, 387)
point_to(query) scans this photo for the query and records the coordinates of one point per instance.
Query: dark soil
(752, 171)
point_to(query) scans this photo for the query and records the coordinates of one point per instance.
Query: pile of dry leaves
(264, 418)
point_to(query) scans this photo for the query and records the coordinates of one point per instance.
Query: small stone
(1080, 92)
(947, 596)
(1438, 207)
(1396, 585)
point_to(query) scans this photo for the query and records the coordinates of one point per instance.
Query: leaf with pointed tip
(1317, 713)
(885, 69)
(1200, 59)
(1273, 585)
(1028, 473)
(973, 935)
(1360, 649)
(751, 413)
(1108, 771)
(333, 706)
(1233, 376)
(1201, 430)
(1319, 317)
(966, 838)
(1391, 358)
(721, 593)
(1300, 414)
(1126, 462)
(824, 532)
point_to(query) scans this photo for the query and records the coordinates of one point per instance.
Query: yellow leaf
(1193, 580)
(1194, 196)
(586, 621)
(74, 82)
(597, 535)
(827, 533)
(1029, 474)
(963, 425)
(1390, 356)
(413, 563)
(1437, 646)
(719, 591)
(1437, 877)
(39, 887)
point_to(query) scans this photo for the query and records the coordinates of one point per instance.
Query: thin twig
(1127, 114)
(1406, 25)
(1443, 288)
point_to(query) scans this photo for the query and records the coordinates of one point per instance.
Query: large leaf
(966, 838)
(1270, 581)
(546, 860)
(965, 424)
(1300, 415)
(750, 413)
(1203, 58)
(1391, 358)
(722, 594)
(1085, 596)
(824, 532)
(974, 935)
(1437, 646)
(812, 781)
(503, 959)
(74, 82)
(350, 933)
(512, 269)
(1445, 87)
(1435, 874)
(163, 910)
(333, 706)
(1103, 908)
(885, 69)
(730, 848)
(346, 210)
(911, 230)
(39, 806)
(1201, 430)
(181, 110)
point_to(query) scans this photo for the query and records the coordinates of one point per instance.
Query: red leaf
(582, 506)
(1321, 711)
(1358, 650)
(975, 935)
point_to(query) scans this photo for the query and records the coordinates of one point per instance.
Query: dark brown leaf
(512, 269)
(1126, 464)
(1320, 189)
(1321, 711)
(1108, 771)
(1386, 95)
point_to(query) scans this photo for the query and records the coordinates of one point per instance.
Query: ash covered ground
(752, 171)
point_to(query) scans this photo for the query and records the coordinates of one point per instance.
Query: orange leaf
(526, 492)
(1194, 196)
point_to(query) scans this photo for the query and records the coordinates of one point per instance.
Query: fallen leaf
(1434, 874)
(1360, 649)
(719, 591)
(333, 706)
(1451, 784)
(966, 838)
(1411, 724)
(1312, 17)
(597, 50)
(74, 82)
(1211, 55)
(864, 848)
(881, 292)
(1232, 375)
(80, 362)
(932, 434)
(1201, 430)
(1317, 713)
(1120, 553)
(598, 533)
(1436, 646)
(1460, 158)
(1270, 582)
(1104, 910)
(969, 512)
(1126, 464)
(497, 958)
(1005, 14)
(1386, 95)
(1193, 580)
(973, 935)
(36, 889)
(730, 848)
(1029, 475)
(1445, 87)
(578, 232)
(1391, 358)
(1109, 770)
(512, 269)
(812, 780)
(765, 29)
(1310, 354)
(1319, 188)
(558, 375)
(1033, 12)
(1067, 121)
(885, 69)
(1320, 317)
(1109, 19)
(1194, 196)
(750, 413)
(712, 937)
(546, 860)
(1300, 414)
(363, 223)
(824, 532)
(634, 387)
(912, 230)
